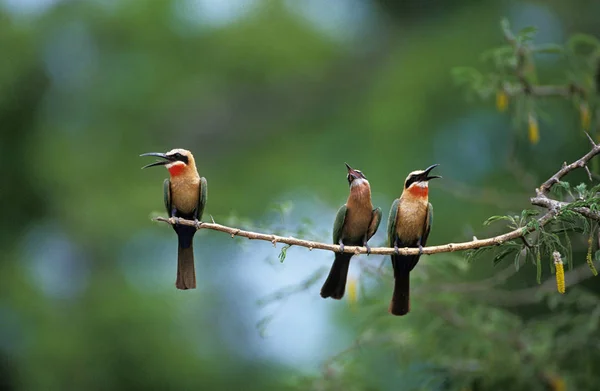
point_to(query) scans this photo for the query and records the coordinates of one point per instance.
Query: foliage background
(272, 97)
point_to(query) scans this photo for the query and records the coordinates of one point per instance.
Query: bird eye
(177, 156)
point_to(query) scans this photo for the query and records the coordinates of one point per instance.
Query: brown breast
(410, 220)
(185, 193)
(358, 215)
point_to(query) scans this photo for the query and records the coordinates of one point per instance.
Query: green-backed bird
(185, 194)
(355, 223)
(409, 224)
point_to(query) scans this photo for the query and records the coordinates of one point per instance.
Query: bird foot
(396, 251)
(368, 248)
(197, 223)
(420, 250)
(341, 247)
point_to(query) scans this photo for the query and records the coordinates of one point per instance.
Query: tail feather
(400, 304)
(186, 272)
(335, 284)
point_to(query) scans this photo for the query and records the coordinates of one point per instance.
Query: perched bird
(408, 226)
(355, 223)
(185, 196)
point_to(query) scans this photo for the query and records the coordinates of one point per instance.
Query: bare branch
(450, 247)
(553, 209)
(552, 204)
(567, 168)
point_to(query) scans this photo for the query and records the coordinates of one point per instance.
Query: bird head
(418, 181)
(355, 177)
(178, 161)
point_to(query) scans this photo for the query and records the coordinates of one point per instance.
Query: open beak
(351, 171)
(166, 160)
(426, 175)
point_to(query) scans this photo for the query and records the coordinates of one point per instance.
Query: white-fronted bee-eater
(355, 223)
(409, 224)
(185, 194)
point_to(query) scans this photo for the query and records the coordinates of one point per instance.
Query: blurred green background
(272, 97)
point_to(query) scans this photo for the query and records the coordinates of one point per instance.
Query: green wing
(429, 220)
(167, 195)
(391, 228)
(338, 225)
(202, 198)
(375, 220)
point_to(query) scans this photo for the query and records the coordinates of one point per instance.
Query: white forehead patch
(359, 182)
(180, 150)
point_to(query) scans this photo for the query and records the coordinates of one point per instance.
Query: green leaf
(502, 56)
(493, 219)
(581, 188)
(527, 34)
(518, 260)
(467, 75)
(283, 252)
(578, 40)
(502, 254)
(549, 48)
(505, 26)
(472, 254)
(538, 264)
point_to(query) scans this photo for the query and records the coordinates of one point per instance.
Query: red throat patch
(418, 191)
(176, 169)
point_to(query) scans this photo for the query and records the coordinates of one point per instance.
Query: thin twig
(567, 168)
(553, 204)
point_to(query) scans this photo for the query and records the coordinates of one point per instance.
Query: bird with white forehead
(355, 223)
(185, 195)
(409, 224)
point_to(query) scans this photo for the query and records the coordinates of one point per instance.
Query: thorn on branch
(588, 172)
(591, 140)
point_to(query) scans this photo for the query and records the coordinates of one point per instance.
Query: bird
(355, 223)
(409, 224)
(185, 195)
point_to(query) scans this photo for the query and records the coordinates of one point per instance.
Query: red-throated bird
(185, 196)
(408, 226)
(355, 223)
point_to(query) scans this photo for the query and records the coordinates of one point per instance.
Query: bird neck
(182, 171)
(360, 194)
(417, 191)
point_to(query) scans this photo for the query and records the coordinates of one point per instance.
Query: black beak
(159, 162)
(351, 171)
(426, 175)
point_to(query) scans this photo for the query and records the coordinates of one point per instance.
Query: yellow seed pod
(534, 131)
(589, 259)
(501, 100)
(352, 291)
(560, 272)
(556, 383)
(585, 116)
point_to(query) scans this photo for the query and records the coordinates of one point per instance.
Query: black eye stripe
(412, 179)
(179, 157)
